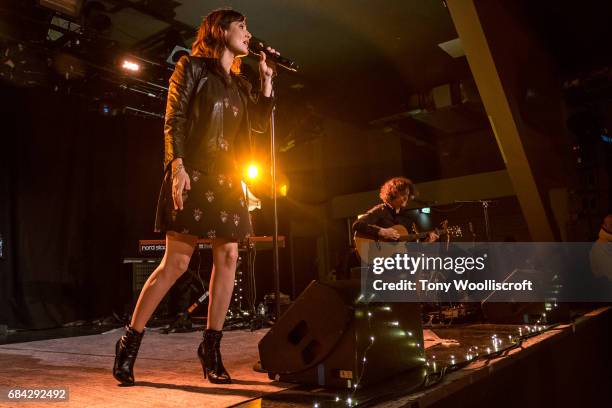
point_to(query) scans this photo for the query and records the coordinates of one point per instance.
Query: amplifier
(141, 269)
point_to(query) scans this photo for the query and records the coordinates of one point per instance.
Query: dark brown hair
(395, 187)
(210, 41)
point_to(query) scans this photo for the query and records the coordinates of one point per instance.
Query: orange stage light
(283, 189)
(252, 171)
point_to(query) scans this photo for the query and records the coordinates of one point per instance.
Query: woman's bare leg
(179, 248)
(225, 256)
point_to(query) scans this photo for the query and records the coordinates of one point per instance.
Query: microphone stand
(290, 66)
(485, 209)
(274, 201)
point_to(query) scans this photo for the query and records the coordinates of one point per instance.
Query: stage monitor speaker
(325, 335)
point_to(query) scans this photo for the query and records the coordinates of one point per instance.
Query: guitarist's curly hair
(396, 187)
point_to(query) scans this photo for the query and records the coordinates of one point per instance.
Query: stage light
(425, 210)
(252, 171)
(283, 190)
(130, 66)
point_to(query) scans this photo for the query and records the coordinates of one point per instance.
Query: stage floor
(168, 373)
(563, 366)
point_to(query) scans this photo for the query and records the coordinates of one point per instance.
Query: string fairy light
(471, 355)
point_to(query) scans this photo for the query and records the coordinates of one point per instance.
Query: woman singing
(209, 115)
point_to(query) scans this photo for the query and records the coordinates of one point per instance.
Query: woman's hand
(267, 70)
(180, 182)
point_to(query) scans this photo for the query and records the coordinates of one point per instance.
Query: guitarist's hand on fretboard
(432, 237)
(400, 233)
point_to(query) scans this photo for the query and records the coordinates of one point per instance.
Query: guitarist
(377, 222)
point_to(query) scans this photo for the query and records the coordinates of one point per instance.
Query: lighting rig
(68, 50)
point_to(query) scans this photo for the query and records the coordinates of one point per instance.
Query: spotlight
(282, 184)
(130, 66)
(283, 190)
(252, 171)
(425, 210)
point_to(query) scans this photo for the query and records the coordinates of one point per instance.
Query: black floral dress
(215, 206)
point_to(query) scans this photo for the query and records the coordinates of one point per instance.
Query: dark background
(78, 192)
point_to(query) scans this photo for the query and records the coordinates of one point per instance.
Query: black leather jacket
(184, 118)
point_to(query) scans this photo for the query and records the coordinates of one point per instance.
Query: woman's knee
(175, 266)
(228, 255)
(231, 256)
(179, 248)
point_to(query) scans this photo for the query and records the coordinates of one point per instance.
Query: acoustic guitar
(363, 242)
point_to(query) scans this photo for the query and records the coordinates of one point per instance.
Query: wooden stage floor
(167, 371)
(565, 366)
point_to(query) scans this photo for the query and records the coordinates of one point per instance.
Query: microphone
(256, 46)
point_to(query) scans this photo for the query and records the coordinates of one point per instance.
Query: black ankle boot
(126, 351)
(209, 353)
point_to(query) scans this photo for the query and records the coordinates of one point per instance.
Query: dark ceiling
(360, 60)
(576, 33)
